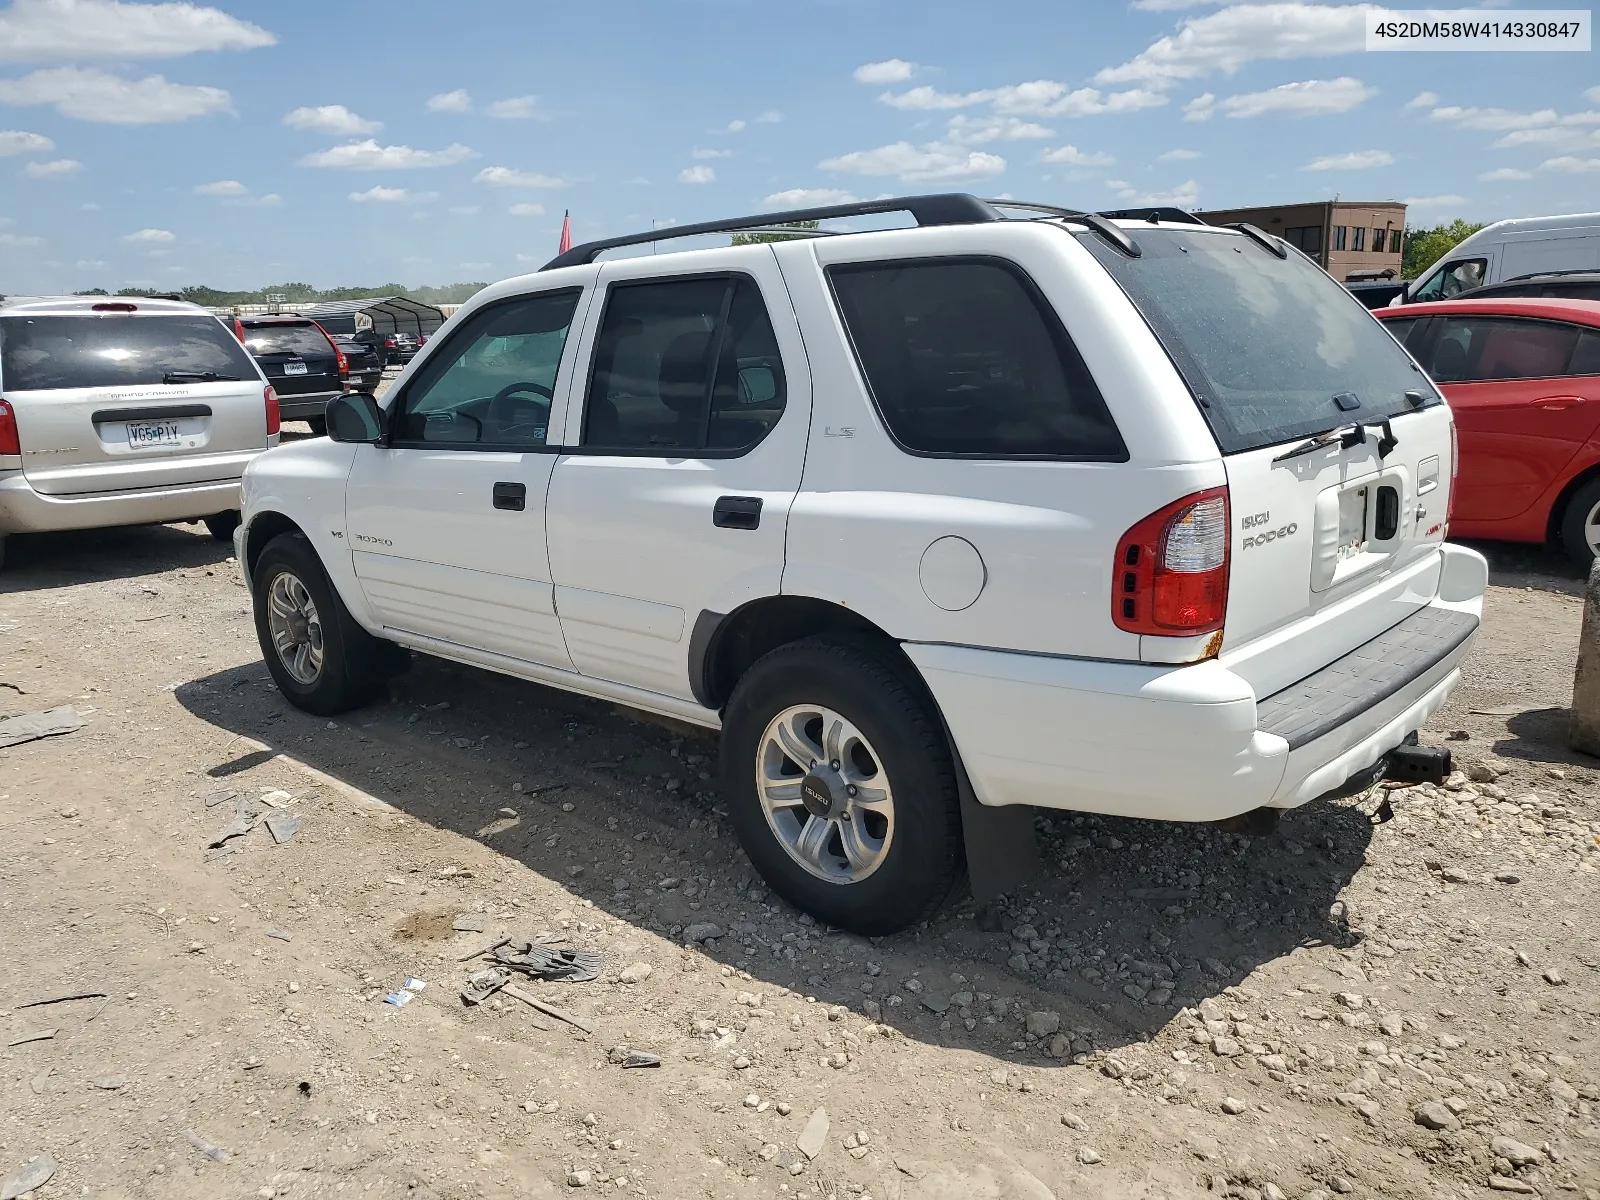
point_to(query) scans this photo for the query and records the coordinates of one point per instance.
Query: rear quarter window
(964, 358)
(43, 352)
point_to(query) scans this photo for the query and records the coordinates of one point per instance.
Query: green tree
(753, 239)
(92, 292)
(1426, 246)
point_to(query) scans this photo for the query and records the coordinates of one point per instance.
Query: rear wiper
(197, 377)
(1346, 436)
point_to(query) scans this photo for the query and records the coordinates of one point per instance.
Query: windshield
(1265, 344)
(286, 339)
(37, 353)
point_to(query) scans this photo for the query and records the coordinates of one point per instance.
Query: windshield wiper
(1345, 436)
(197, 377)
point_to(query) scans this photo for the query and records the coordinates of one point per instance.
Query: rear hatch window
(1273, 349)
(43, 352)
(286, 339)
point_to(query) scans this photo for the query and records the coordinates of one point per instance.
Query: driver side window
(1454, 278)
(492, 384)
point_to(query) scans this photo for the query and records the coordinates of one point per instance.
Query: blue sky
(241, 144)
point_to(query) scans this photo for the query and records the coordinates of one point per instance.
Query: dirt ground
(1404, 1009)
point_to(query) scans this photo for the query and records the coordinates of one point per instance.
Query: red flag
(566, 233)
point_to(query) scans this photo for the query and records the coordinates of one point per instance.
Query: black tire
(1573, 539)
(861, 683)
(354, 666)
(319, 426)
(221, 525)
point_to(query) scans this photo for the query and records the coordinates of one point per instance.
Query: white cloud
(771, 117)
(369, 156)
(1179, 155)
(466, 210)
(222, 187)
(61, 168)
(700, 154)
(1423, 100)
(932, 161)
(1037, 98)
(88, 206)
(58, 30)
(15, 141)
(151, 237)
(517, 108)
(90, 264)
(532, 258)
(1308, 98)
(735, 127)
(19, 239)
(1592, 95)
(1494, 120)
(511, 177)
(378, 194)
(526, 210)
(1169, 5)
(808, 198)
(1447, 201)
(1570, 165)
(334, 119)
(1185, 195)
(1243, 33)
(1505, 175)
(457, 101)
(890, 70)
(976, 131)
(1071, 156)
(700, 174)
(93, 95)
(1355, 160)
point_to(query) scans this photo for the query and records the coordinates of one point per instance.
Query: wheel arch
(264, 526)
(1558, 508)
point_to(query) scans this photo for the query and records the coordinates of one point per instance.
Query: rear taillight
(344, 363)
(238, 330)
(9, 442)
(274, 419)
(1171, 577)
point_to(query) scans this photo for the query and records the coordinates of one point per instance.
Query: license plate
(1353, 522)
(146, 434)
(294, 368)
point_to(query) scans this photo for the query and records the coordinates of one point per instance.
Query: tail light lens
(238, 330)
(9, 442)
(344, 363)
(274, 419)
(1171, 577)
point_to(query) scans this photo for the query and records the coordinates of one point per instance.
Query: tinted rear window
(1264, 343)
(963, 357)
(37, 353)
(285, 339)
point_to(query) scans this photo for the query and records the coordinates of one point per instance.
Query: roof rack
(1152, 214)
(1094, 221)
(951, 209)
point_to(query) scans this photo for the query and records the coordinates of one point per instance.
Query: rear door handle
(1557, 403)
(737, 512)
(511, 496)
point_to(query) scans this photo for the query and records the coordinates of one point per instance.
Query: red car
(1523, 379)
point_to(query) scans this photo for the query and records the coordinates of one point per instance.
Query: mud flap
(1002, 852)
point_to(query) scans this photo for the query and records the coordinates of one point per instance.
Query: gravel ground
(1405, 1009)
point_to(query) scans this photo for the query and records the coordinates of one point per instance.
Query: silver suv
(124, 411)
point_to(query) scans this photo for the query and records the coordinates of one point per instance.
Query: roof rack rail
(1269, 242)
(1094, 221)
(955, 208)
(1160, 212)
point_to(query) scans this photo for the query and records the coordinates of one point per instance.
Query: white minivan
(1509, 250)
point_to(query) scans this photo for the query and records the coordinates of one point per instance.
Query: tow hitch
(1411, 763)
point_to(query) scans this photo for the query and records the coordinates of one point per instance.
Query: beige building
(1350, 238)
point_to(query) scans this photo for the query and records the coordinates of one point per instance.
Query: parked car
(1509, 250)
(1523, 378)
(366, 364)
(124, 411)
(301, 361)
(393, 347)
(1376, 293)
(1140, 518)
(1562, 285)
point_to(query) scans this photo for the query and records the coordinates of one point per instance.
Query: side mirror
(355, 417)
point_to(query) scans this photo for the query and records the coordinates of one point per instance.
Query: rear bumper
(23, 510)
(1183, 743)
(298, 408)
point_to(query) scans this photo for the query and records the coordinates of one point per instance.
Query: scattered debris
(470, 923)
(31, 726)
(35, 1173)
(399, 998)
(111, 1083)
(282, 935)
(277, 798)
(37, 1035)
(413, 984)
(641, 1058)
(545, 962)
(222, 797)
(244, 820)
(38, 1082)
(815, 1135)
(549, 1010)
(214, 1153)
(483, 984)
(63, 998)
(635, 972)
(282, 827)
(489, 949)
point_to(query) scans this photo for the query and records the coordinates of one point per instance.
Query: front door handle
(511, 496)
(737, 512)
(1557, 403)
